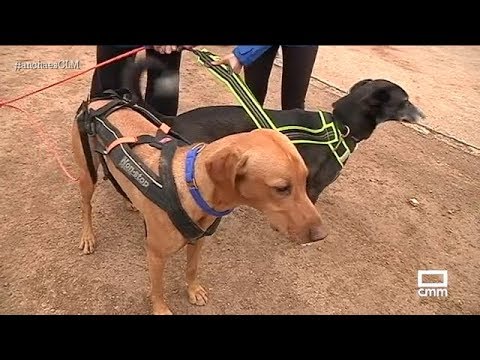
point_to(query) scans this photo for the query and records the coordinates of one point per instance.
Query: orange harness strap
(122, 140)
(164, 128)
(133, 139)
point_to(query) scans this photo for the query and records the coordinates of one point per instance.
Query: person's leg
(163, 87)
(109, 76)
(298, 64)
(258, 74)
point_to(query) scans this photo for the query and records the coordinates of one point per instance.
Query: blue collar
(192, 184)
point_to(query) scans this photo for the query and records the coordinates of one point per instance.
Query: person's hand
(168, 49)
(187, 47)
(165, 49)
(231, 60)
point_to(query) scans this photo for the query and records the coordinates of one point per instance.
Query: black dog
(368, 104)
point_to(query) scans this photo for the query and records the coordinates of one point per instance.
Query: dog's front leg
(156, 267)
(197, 295)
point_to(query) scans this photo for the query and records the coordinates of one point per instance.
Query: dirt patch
(368, 264)
(442, 80)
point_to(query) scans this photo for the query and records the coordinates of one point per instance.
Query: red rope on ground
(41, 131)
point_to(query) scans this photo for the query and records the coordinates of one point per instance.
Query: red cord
(40, 130)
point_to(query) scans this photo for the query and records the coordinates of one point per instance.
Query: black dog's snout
(417, 114)
(412, 113)
(421, 113)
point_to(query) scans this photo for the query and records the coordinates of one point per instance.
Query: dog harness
(327, 131)
(160, 189)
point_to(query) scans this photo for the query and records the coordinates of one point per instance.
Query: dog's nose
(318, 233)
(421, 114)
(417, 114)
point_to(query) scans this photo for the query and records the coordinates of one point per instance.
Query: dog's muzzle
(413, 114)
(318, 233)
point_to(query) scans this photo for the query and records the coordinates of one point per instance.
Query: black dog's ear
(359, 84)
(352, 89)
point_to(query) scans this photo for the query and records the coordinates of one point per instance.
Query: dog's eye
(283, 190)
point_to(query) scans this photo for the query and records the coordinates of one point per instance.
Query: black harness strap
(160, 189)
(129, 163)
(104, 111)
(119, 99)
(82, 119)
(177, 213)
(108, 175)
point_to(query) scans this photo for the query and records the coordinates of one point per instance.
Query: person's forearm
(247, 54)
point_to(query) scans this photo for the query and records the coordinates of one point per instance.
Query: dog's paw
(197, 295)
(87, 243)
(160, 308)
(130, 206)
(163, 312)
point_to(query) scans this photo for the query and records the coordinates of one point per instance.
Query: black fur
(368, 104)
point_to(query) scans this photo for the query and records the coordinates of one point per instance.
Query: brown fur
(241, 169)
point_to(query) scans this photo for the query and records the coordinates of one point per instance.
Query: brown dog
(260, 169)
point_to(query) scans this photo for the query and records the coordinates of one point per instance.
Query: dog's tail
(132, 76)
(133, 72)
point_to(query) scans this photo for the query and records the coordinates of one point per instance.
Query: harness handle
(122, 140)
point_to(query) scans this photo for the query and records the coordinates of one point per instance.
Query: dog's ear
(345, 99)
(359, 84)
(226, 167)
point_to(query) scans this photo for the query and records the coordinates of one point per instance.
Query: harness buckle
(100, 151)
(199, 147)
(128, 97)
(192, 184)
(90, 127)
(347, 132)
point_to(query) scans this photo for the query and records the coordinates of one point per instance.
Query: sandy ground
(443, 80)
(377, 241)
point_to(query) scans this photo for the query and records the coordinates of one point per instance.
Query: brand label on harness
(131, 170)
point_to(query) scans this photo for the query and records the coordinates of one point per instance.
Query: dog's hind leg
(130, 206)
(87, 241)
(197, 295)
(87, 187)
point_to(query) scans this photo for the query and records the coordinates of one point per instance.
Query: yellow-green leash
(328, 134)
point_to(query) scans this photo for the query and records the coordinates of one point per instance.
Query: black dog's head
(371, 102)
